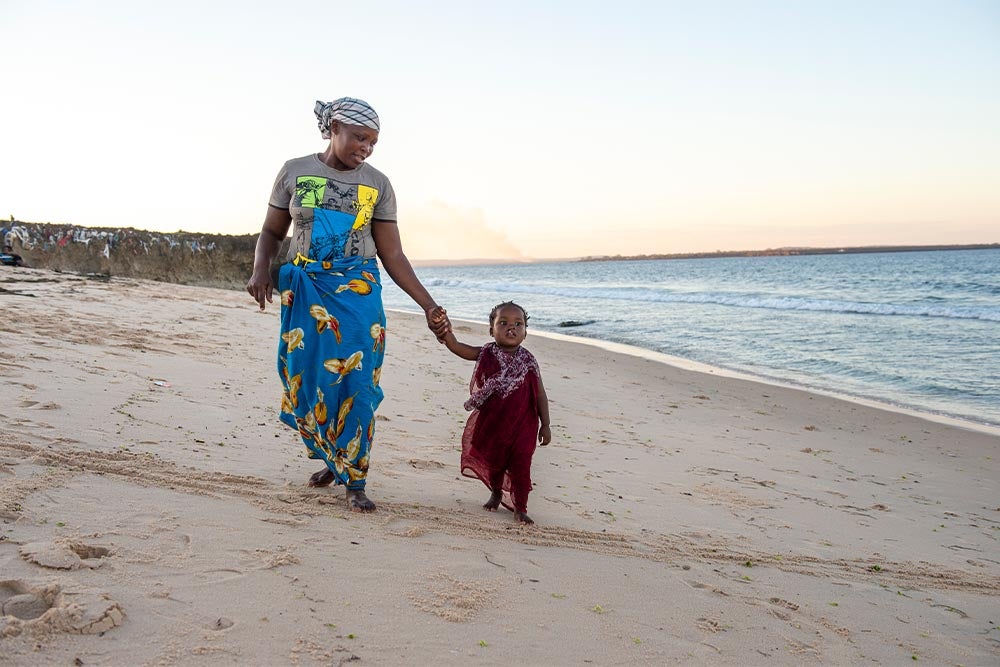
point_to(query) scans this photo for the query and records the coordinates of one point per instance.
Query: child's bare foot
(358, 501)
(322, 478)
(494, 502)
(523, 518)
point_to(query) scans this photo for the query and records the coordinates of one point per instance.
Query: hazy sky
(532, 129)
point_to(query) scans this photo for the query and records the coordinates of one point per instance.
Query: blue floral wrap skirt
(330, 359)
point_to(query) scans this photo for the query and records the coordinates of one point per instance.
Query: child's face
(508, 328)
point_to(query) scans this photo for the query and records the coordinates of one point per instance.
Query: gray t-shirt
(332, 210)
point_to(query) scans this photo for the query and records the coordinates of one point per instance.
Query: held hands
(259, 286)
(544, 436)
(438, 322)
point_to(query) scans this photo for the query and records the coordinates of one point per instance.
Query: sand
(154, 511)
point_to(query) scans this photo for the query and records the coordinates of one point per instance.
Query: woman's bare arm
(276, 224)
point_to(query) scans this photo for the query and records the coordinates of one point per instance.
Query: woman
(332, 321)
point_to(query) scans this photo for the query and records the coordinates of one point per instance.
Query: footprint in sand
(455, 600)
(53, 608)
(425, 464)
(22, 602)
(264, 559)
(64, 554)
(222, 623)
(784, 603)
(700, 586)
(709, 625)
(405, 528)
(38, 406)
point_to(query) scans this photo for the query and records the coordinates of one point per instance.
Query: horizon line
(707, 254)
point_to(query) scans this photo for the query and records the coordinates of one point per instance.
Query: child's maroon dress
(502, 431)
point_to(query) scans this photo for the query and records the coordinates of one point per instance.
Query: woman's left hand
(438, 322)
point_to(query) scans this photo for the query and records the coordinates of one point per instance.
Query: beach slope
(154, 511)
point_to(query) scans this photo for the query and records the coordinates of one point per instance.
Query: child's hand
(438, 322)
(544, 436)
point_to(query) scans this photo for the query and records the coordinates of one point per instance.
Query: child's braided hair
(496, 309)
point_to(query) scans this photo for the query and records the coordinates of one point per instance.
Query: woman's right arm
(276, 224)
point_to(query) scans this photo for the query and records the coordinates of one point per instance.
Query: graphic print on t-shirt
(309, 191)
(365, 204)
(338, 210)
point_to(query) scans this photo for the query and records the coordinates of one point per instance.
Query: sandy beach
(154, 510)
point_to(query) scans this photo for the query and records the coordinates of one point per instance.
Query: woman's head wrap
(348, 110)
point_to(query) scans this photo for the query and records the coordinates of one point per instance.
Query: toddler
(510, 411)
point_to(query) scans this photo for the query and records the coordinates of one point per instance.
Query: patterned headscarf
(349, 110)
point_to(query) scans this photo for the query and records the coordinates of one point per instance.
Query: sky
(519, 129)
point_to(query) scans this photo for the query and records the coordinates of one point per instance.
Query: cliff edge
(207, 260)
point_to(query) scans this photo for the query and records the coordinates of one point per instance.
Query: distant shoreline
(786, 252)
(40, 244)
(769, 252)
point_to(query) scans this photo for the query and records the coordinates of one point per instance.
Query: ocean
(917, 330)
